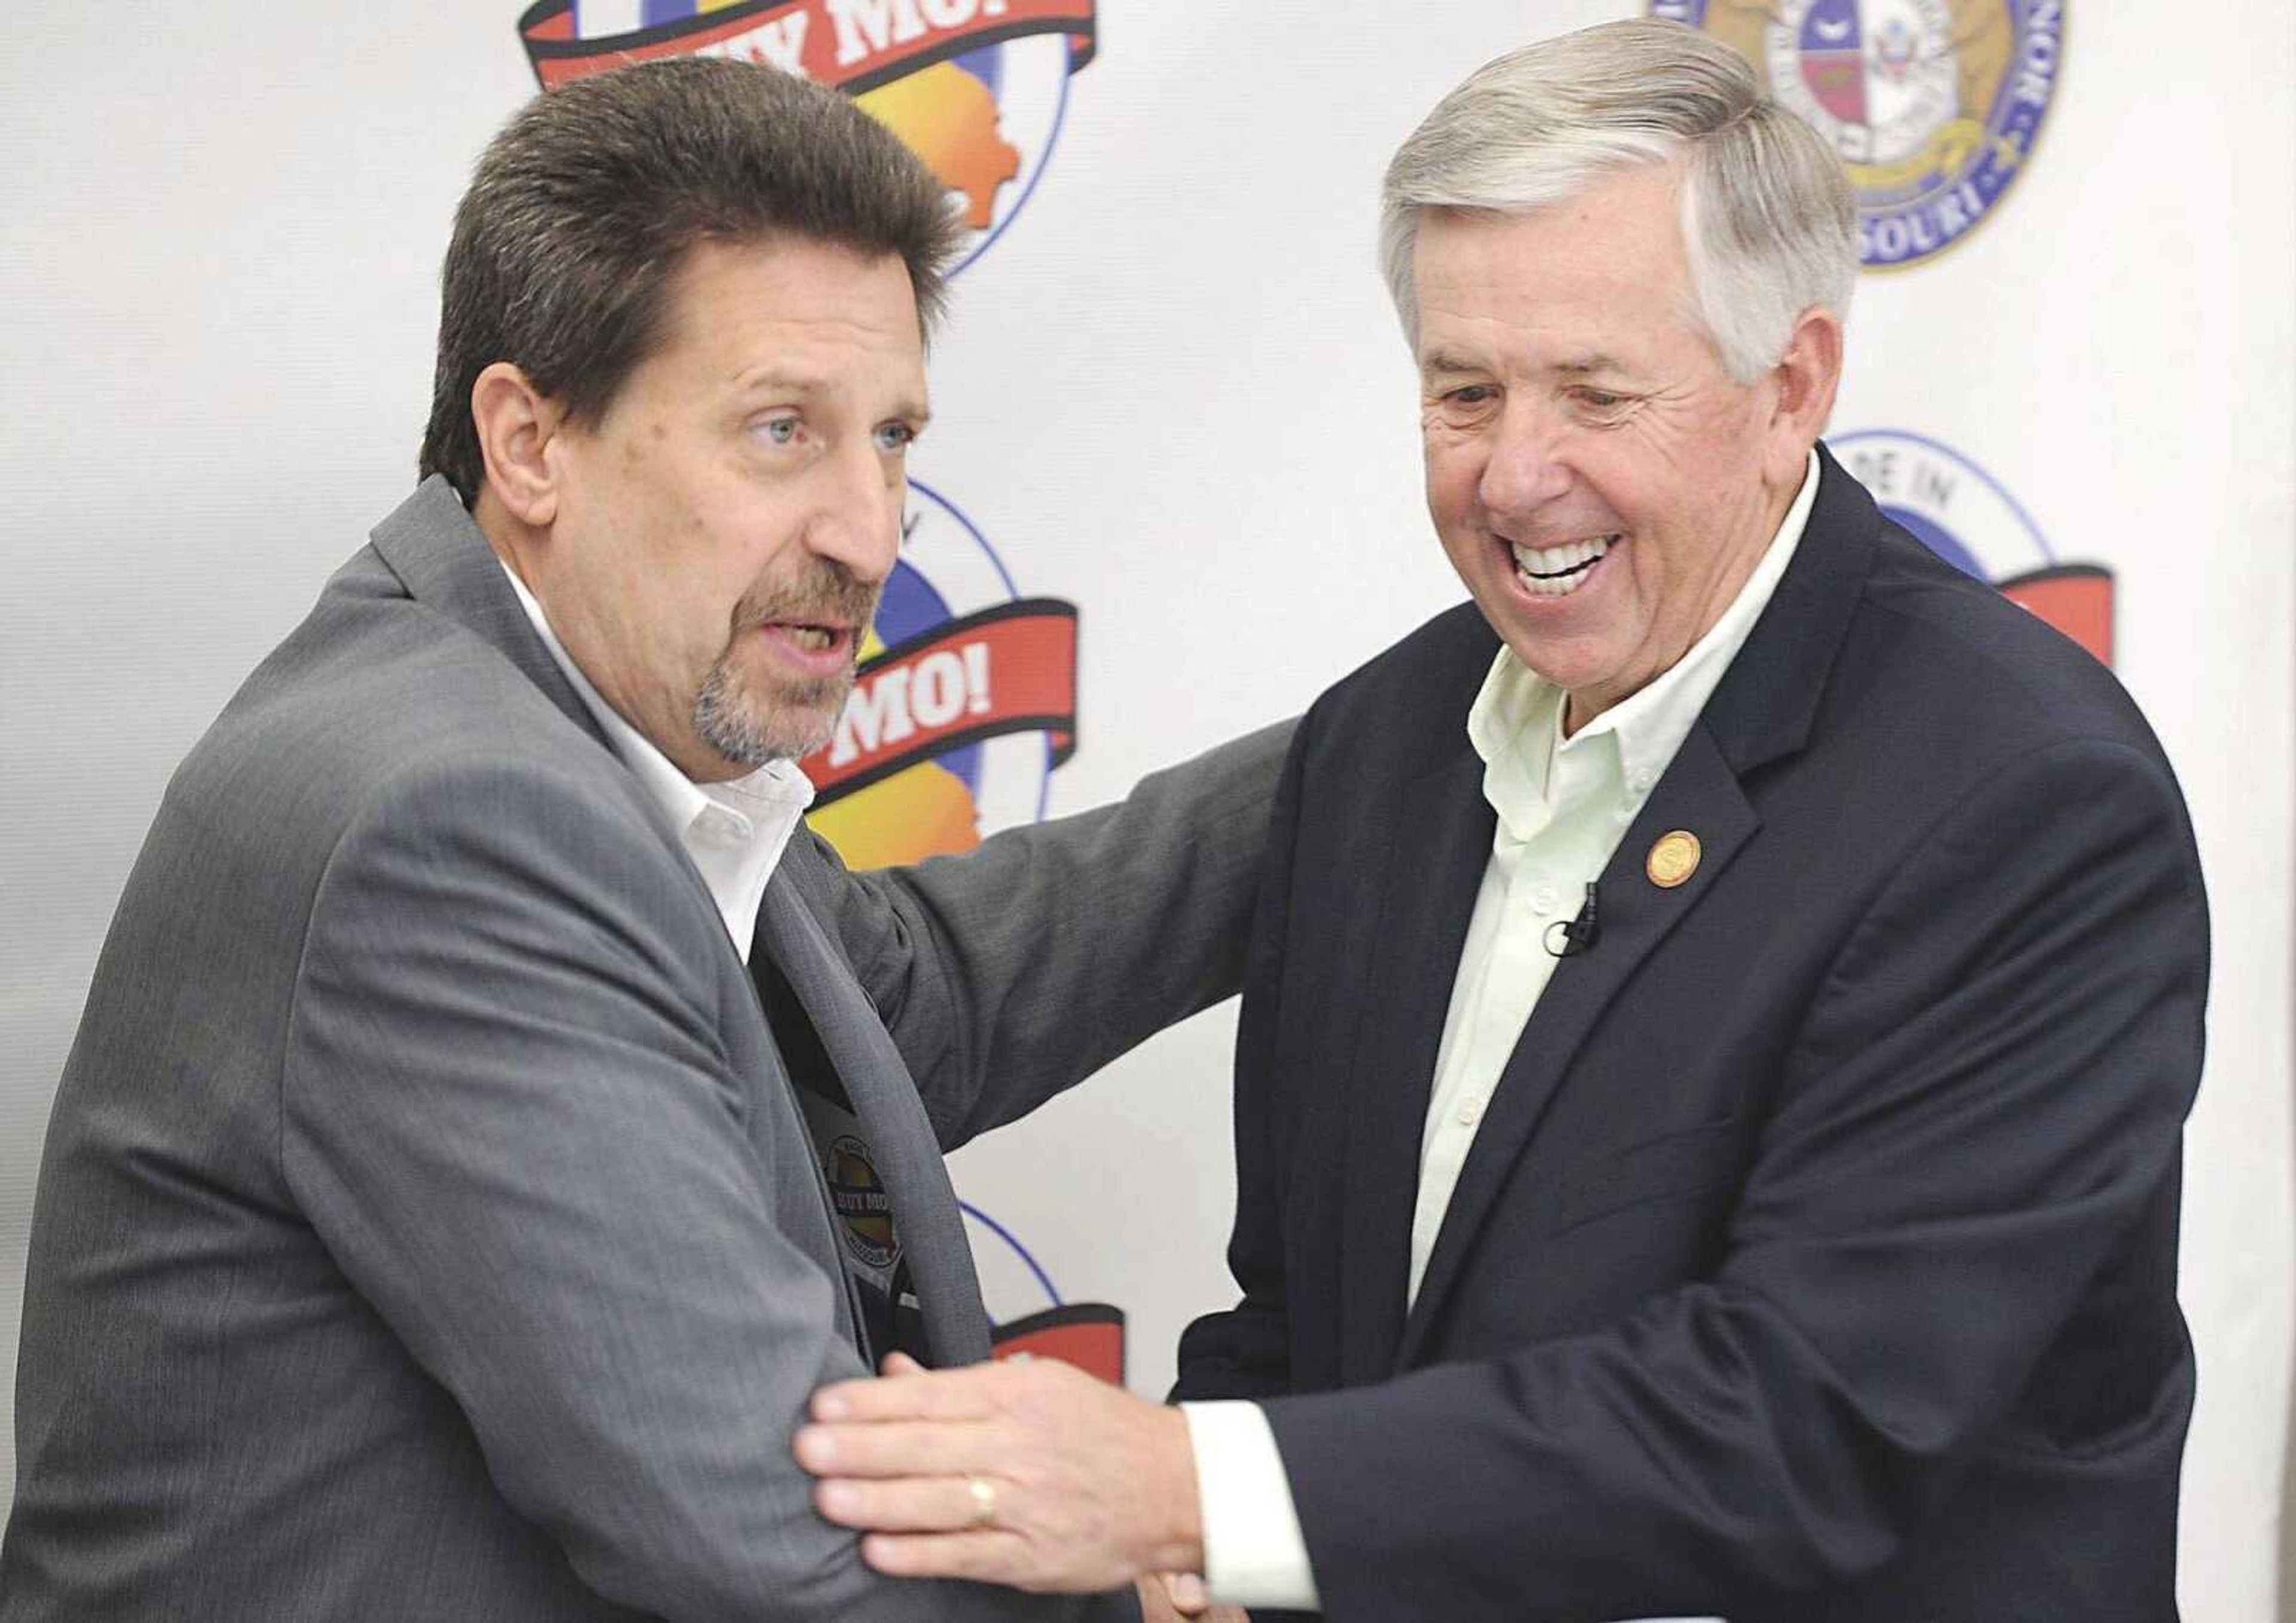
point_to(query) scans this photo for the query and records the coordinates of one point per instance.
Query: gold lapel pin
(1673, 859)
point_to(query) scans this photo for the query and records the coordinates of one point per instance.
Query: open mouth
(1557, 572)
(814, 644)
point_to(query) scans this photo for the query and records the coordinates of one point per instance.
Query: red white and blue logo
(1933, 105)
(1031, 1316)
(1968, 518)
(977, 88)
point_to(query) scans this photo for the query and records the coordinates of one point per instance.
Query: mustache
(827, 593)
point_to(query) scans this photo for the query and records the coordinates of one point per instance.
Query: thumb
(1189, 1597)
(900, 1363)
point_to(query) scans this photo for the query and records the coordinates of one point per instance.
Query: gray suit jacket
(426, 1228)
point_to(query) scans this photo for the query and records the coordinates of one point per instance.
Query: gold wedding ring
(984, 1500)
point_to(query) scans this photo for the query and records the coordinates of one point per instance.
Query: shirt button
(719, 826)
(1643, 781)
(1471, 1109)
(1543, 899)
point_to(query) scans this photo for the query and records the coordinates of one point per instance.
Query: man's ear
(516, 422)
(1807, 378)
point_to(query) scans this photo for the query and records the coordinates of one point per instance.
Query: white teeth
(813, 638)
(1556, 571)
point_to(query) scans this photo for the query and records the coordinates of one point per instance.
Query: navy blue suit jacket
(1817, 1256)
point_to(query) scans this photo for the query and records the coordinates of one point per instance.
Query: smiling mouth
(1557, 572)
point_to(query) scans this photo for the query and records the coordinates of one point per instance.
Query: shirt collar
(767, 802)
(1516, 721)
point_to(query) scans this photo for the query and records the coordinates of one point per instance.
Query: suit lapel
(1699, 793)
(906, 1155)
(1437, 849)
(443, 560)
(1763, 711)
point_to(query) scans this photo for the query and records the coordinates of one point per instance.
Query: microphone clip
(1568, 937)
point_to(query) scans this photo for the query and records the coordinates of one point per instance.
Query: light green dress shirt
(1562, 804)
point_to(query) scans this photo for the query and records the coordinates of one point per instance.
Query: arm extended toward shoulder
(1019, 969)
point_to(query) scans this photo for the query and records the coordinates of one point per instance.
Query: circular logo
(985, 121)
(964, 703)
(1968, 518)
(976, 88)
(1933, 105)
(1030, 1317)
(861, 1202)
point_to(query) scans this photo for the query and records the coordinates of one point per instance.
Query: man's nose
(1528, 466)
(856, 521)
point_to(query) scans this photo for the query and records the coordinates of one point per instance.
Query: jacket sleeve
(1017, 971)
(507, 1112)
(1985, 1097)
(1245, 1351)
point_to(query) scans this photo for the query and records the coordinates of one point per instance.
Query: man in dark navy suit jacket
(1722, 1008)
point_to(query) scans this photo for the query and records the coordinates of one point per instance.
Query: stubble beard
(797, 715)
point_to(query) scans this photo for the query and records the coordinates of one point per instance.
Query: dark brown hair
(582, 209)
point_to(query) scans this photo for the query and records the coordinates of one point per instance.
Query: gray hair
(1769, 224)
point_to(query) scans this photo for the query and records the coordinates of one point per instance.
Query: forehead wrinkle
(1586, 366)
(774, 377)
(1445, 361)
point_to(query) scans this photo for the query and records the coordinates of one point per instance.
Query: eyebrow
(807, 385)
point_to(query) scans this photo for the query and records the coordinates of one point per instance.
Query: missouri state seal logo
(1934, 105)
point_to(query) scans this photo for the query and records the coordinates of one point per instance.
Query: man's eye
(1596, 399)
(894, 437)
(778, 431)
(1471, 394)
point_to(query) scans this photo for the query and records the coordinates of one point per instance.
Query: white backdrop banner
(1172, 485)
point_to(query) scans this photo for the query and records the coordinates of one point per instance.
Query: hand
(1084, 1486)
(1182, 1595)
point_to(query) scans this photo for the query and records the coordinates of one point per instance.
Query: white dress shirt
(735, 831)
(1562, 804)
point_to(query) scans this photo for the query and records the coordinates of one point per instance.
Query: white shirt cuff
(1254, 1555)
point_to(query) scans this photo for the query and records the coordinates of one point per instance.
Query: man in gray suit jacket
(432, 1223)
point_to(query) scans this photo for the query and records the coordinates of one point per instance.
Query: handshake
(1027, 1472)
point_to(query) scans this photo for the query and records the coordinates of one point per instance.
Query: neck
(514, 541)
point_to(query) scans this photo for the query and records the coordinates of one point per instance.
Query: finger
(1190, 1599)
(899, 1364)
(918, 1505)
(1155, 1601)
(989, 1555)
(896, 1449)
(949, 1394)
